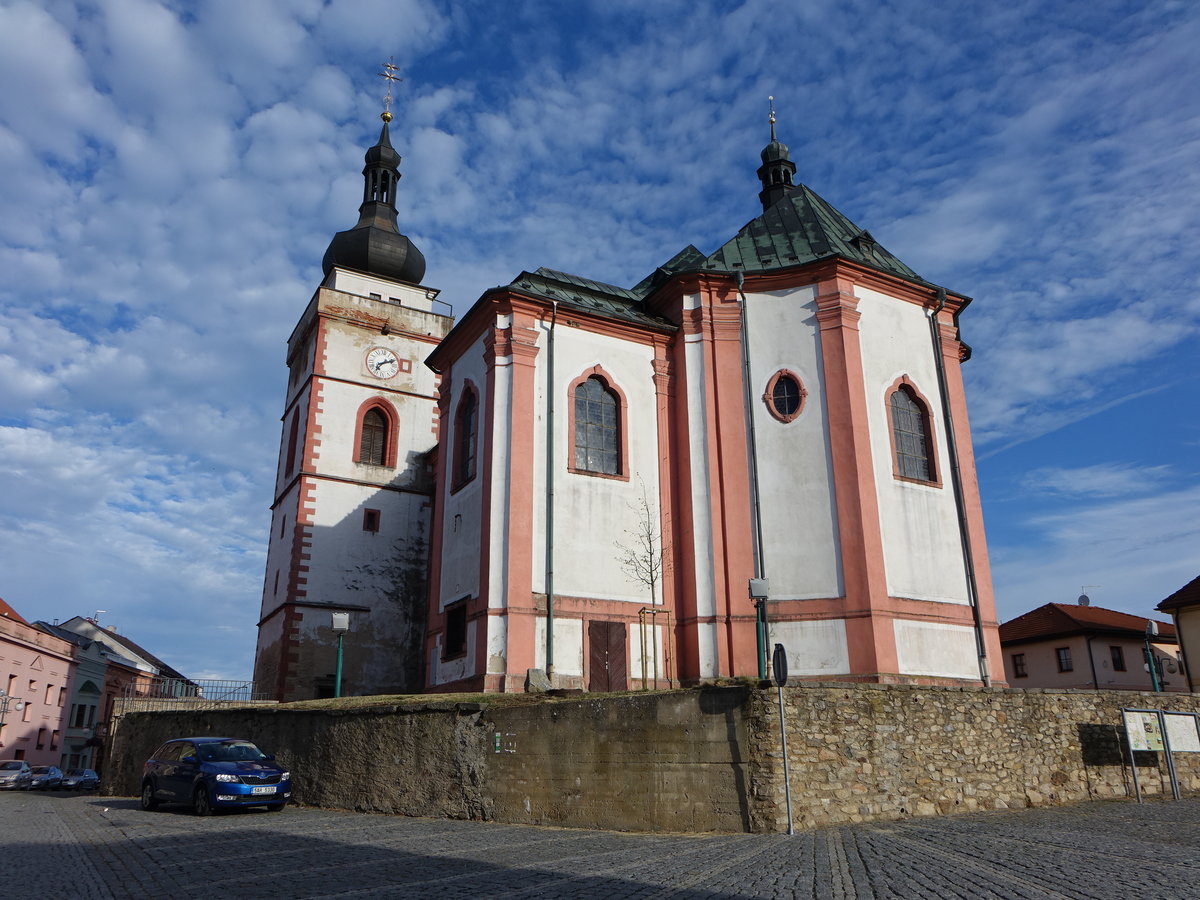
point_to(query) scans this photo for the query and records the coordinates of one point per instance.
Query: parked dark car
(15, 774)
(80, 780)
(212, 773)
(46, 778)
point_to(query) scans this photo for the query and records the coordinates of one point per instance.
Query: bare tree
(640, 556)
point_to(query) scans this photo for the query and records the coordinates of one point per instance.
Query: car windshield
(40, 770)
(75, 772)
(230, 751)
(10, 765)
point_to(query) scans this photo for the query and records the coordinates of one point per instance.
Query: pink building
(36, 669)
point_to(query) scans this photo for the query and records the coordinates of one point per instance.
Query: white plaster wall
(815, 647)
(568, 645)
(644, 668)
(932, 648)
(364, 286)
(497, 645)
(797, 503)
(693, 381)
(301, 411)
(443, 671)
(461, 524)
(921, 545)
(591, 514)
(279, 550)
(349, 565)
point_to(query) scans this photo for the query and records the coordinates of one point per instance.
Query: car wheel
(148, 801)
(201, 805)
(275, 807)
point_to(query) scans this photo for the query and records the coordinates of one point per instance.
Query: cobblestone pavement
(83, 846)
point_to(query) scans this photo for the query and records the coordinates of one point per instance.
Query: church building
(590, 486)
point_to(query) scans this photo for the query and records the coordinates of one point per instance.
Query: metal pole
(787, 780)
(1162, 724)
(1150, 660)
(337, 678)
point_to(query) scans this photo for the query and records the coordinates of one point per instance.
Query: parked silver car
(80, 780)
(15, 775)
(46, 778)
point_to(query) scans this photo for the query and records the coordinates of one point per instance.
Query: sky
(171, 173)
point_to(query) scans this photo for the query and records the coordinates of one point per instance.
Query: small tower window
(372, 446)
(465, 429)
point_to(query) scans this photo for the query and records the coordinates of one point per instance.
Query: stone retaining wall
(698, 760)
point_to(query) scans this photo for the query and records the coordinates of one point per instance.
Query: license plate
(263, 790)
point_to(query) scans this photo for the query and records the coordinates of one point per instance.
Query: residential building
(1061, 645)
(1184, 607)
(37, 669)
(765, 444)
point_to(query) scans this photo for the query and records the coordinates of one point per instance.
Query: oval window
(785, 396)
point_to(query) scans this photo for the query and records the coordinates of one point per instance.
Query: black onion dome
(774, 151)
(375, 245)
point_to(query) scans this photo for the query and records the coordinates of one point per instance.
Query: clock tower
(350, 523)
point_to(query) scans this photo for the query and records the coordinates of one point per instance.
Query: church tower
(350, 520)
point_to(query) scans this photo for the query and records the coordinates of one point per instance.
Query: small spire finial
(771, 115)
(389, 75)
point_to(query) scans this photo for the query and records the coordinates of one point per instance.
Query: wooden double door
(608, 658)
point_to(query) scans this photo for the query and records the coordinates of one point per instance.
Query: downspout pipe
(1092, 660)
(550, 392)
(760, 602)
(956, 482)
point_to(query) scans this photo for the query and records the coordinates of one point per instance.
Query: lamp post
(341, 624)
(1151, 666)
(5, 700)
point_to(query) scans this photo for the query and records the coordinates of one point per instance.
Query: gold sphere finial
(386, 116)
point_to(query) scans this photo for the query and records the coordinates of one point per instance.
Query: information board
(1182, 732)
(1143, 730)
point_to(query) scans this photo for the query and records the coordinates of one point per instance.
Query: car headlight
(228, 778)
(286, 776)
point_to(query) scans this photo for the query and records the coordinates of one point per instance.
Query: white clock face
(382, 363)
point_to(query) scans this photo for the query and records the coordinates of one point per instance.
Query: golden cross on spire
(771, 116)
(389, 74)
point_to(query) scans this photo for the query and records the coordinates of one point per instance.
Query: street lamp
(17, 705)
(341, 624)
(1151, 665)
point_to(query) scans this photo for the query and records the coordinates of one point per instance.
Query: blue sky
(171, 173)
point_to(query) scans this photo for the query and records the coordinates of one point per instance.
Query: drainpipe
(758, 588)
(956, 481)
(1092, 660)
(550, 392)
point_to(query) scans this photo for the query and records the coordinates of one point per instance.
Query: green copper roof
(588, 296)
(802, 228)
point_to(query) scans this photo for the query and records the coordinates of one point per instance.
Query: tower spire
(777, 170)
(375, 245)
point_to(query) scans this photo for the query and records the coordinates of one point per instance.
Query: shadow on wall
(729, 703)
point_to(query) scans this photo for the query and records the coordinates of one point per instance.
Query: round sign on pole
(779, 665)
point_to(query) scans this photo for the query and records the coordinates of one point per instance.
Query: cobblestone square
(85, 846)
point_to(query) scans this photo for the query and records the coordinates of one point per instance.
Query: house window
(41, 739)
(1018, 664)
(49, 694)
(293, 437)
(54, 739)
(466, 426)
(911, 438)
(784, 396)
(597, 429)
(372, 443)
(80, 716)
(371, 520)
(1064, 659)
(456, 630)
(1118, 658)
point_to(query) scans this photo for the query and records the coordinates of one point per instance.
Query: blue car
(212, 773)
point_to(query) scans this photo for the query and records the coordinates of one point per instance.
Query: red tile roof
(9, 613)
(1188, 595)
(1057, 619)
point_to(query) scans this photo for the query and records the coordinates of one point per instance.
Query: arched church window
(466, 427)
(597, 428)
(912, 440)
(785, 396)
(372, 444)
